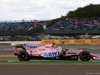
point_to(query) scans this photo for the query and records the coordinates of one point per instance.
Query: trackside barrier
(72, 41)
(63, 41)
(18, 42)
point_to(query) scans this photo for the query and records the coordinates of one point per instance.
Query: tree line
(87, 11)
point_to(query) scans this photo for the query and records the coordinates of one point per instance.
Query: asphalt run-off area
(10, 65)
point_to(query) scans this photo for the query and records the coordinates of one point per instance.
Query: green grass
(50, 62)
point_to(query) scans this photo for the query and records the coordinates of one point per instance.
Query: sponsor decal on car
(50, 54)
(97, 57)
(40, 44)
(34, 51)
(31, 46)
(41, 49)
(47, 46)
(58, 49)
(71, 52)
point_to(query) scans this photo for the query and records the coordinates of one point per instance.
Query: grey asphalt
(22, 69)
(49, 69)
(8, 50)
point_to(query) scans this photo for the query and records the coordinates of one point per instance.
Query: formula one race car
(25, 52)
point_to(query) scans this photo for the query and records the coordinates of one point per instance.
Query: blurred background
(43, 20)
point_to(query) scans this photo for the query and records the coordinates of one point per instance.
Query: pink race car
(25, 52)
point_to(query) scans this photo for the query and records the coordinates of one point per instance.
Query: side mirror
(66, 49)
(54, 45)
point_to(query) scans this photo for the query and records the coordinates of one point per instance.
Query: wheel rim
(85, 56)
(22, 56)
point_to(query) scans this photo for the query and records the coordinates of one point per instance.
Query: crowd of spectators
(21, 26)
(63, 24)
(77, 24)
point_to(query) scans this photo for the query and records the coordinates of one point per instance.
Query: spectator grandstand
(79, 28)
(77, 24)
(21, 26)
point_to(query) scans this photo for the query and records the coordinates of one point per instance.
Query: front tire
(23, 56)
(85, 56)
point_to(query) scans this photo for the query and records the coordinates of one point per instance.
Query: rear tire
(23, 56)
(85, 56)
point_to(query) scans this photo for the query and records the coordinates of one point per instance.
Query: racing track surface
(8, 50)
(49, 69)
